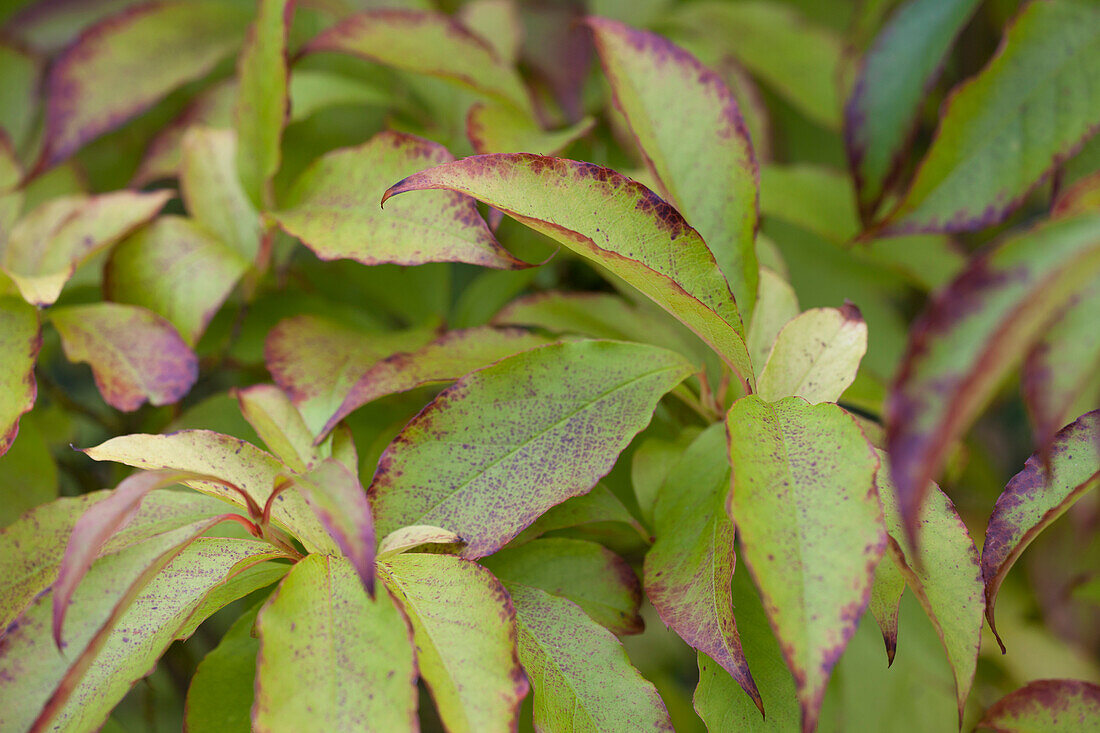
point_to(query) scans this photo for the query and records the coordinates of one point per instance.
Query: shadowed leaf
(20, 340)
(21, 70)
(494, 128)
(1050, 706)
(598, 505)
(219, 698)
(279, 424)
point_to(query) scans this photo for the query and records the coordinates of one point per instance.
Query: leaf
(1036, 497)
(495, 128)
(689, 569)
(630, 231)
(154, 47)
(212, 191)
(135, 354)
(650, 464)
(1051, 706)
(48, 244)
(263, 101)
(587, 573)
(465, 635)
(175, 269)
(698, 148)
(971, 335)
(409, 538)
(504, 444)
(580, 673)
(885, 602)
(249, 575)
(498, 23)
(1005, 129)
(425, 43)
(1082, 196)
(894, 76)
(28, 473)
(445, 359)
(355, 652)
(804, 503)
(598, 505)
(219, 698)
(19, 98)
(20, 340)
(279, 424)
(816, 356)
(313, 90)
(776, 305)
(332, 209)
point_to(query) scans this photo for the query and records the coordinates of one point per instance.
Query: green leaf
(445, 359)
(971, 335)
(895, 75)
(776, 305)
(20, 340)
(48, 244)
(1004, 130)
(313, 90)
(175, 269)
(1051, 706)
(249, 575)
(333, 210)
(504, 444)
(587, 573)
(496, 128)
(21, 70)
(805, 506)
(498, 23)
(885, 602)
(28, 473)
(12, 197)
(355, 652)
(689, 569)
(1036, 497)
(598, 505)
(219, 698)
(465, 636)
(153, 47)
(279, 424)
(613, 221)
(690, 130)
(580, 673)
(650, 464)
(135, 354)
(816, 356)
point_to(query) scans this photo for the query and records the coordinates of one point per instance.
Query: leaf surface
(816, 356)
(1051, 706)
(20, 340)
(776, 305)
(497, 128)
(212, 190)
(598, 505)
(279, 424)
(219, 698)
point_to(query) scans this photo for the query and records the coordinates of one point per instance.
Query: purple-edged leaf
(464, 630)
(135, 355)
(805, 506)
(281, 427)
(154, 47)
(445, 359)
(1034, 498)
(698, 148)
(613, 221)
(495, 128)
(48, 244)
(418, 535)
(885, 602)
(504, 444)
(1050, 706)
(903, 63)
(580, 674)
(1004, 130)
(176, 269)
(971, 335)
(333, 209)
(354, 653)
(212, 191)
(598, 505)
(587, 573)
(20, 340)
(689, 569)
(50, 25)
(426, 43)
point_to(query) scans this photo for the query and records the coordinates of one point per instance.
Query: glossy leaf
(212, 191)
(1004, 130)
(495, 128)
(135, 355)
(464, 631)
(698, 148)
(504, 444)
(617, 223)
(19, 344)
(355, 652)
(885, 602)
(219, 698)
(805, 506)
(1051, 706)
(776, 305)
(279, 424)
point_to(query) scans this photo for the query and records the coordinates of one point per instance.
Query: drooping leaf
(1034, 498)
(418, 535)
(19, 343)
(135, 355)
(689, 569)
(885, 602)
(816, 356)
(354, 651)
(219, 698)
(279, 424)
(1004, 130)
(698, 148)
(333, 209)
(805, 506)
(495, 128)
(617, 223)
(47, 244)
(598, 505)
(776, 305)
(464, 630)
(153, 47)
(581, 676)
(504, 444)
(1051, 706)
(971, 335)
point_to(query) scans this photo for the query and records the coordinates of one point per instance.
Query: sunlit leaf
(19, 344)
(1051, 706)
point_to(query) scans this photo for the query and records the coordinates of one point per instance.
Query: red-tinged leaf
(614, 221)
(135, 355)
(1049, 706)
(449, 357)
(1034, 498)
(971, 335)
(885, 602)
(333, 209)
(698, 148)
(20, 339)
(279, 424)
(154, 47)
